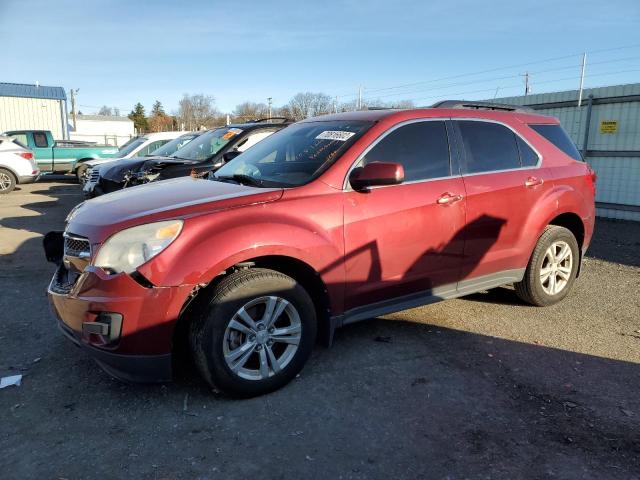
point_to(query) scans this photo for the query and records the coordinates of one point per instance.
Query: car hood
(182, 197)
(118, 170)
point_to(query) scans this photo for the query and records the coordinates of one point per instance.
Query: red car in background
(329, 221)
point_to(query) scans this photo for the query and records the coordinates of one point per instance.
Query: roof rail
(481, 106)
(271, 120)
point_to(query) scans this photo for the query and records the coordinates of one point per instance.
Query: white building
(33, 107)
(103, 129)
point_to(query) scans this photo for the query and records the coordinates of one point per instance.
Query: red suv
(330, 221)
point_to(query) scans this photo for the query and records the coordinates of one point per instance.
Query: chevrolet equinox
(329, 221)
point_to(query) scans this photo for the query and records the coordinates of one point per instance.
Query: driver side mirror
(230, 155)
(375, 174)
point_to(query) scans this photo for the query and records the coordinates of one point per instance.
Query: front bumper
(140, 349)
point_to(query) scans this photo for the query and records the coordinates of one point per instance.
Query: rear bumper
(22, 179)
(136, 349)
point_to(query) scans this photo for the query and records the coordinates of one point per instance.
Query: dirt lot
(480, 387)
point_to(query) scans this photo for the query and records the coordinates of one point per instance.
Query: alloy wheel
(262, 338)
(5, 181)
(556, 268)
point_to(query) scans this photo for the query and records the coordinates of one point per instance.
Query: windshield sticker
(231, 133)
(338, 135)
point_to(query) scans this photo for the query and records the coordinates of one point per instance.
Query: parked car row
(326, 222)
(198, 153)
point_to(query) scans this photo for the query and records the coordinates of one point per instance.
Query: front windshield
(295, 155)
(207, 144)
(171, 147)
(130, 146)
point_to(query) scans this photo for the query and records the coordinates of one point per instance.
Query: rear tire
(241, 349)
(7, 181)
(552, 268)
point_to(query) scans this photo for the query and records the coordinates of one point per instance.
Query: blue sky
(119, 52)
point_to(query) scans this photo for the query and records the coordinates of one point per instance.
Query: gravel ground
(479, 387)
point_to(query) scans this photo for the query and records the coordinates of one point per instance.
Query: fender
(212, 243)
(558, 200)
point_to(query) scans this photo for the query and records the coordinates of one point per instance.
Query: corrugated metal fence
(611, 144)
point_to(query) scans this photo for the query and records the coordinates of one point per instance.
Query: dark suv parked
(205, 153)
(330, 221)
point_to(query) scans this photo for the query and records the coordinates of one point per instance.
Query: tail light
(27, 155)
(591, 178)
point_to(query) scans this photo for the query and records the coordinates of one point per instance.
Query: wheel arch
(572, 222)
(16, 177)
(300, 271)
(82, 161)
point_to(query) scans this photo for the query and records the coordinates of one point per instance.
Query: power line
(493, 79)
(496, 69)
(506, 87)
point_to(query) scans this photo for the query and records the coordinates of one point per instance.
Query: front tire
(7, 181)
(256, 333)
(81, 173)
(552, 268)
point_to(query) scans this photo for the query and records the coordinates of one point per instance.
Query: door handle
(533, 182)
(448, 198)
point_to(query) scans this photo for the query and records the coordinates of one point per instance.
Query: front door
(405, 239)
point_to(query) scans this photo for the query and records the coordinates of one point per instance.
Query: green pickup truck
(60, 156)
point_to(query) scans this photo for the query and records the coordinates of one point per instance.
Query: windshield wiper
(241, 178)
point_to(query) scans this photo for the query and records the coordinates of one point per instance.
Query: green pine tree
(139, 118)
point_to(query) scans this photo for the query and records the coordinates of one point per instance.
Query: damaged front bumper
(125, 325)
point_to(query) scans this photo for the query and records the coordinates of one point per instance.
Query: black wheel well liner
(573, 223)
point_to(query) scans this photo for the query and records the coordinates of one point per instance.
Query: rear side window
(20, 139)
(40, 139)
(421, 148)
(528, 158)
(488, 147)
(556, 135)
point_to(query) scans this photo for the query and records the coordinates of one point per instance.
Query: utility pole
(584, 64)
(269, 102)
(527, 88)
(73, 107)
(360, 97)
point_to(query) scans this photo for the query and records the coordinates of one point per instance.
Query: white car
(136, 147)
(17, 164)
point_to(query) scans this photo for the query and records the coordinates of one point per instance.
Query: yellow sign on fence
(609, 126)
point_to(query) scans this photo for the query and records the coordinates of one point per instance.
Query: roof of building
(31, 91)
(104, 118)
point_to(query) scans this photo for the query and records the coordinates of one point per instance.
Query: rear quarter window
(556, 135)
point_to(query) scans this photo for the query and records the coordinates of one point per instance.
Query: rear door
(503, 182)
(405, 239)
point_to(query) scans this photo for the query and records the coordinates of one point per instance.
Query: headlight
(127, 250)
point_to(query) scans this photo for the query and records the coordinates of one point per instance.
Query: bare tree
(250, 111)
(309, 104)
(197, 111)
(105, 111)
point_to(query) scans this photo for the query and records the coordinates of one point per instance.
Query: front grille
(76, 246)
(94, 175)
